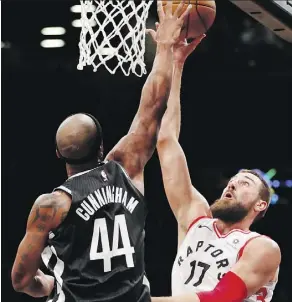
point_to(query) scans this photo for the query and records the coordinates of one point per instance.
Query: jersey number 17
(100, 233)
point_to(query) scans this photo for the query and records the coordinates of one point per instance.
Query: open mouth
(228, 195)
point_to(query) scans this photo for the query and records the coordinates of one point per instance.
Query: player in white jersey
(218, 258)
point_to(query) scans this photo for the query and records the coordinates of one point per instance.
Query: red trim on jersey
(225, 235)
(262, 294)
(230, 288)
(243, 247)
(196, 220)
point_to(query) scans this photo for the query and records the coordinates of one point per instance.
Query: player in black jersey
(90, 231)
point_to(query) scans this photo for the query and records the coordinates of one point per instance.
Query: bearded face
(237, 199)
(229, 211)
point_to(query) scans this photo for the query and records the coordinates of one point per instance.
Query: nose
(231, 186)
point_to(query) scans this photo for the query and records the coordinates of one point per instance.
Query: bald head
(78, 137)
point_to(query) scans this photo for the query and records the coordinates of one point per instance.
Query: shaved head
(78, 137)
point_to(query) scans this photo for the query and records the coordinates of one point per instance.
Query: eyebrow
(250, 179)
(245, 177)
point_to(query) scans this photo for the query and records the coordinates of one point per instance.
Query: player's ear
(260, 206)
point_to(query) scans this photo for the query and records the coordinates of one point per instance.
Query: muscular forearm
(157, 87)
(171, 121)
(163, 61)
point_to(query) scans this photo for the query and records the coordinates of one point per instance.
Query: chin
(228, 210)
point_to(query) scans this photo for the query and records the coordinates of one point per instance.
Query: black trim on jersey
(93, 151)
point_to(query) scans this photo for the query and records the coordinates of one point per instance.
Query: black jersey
(97, 253)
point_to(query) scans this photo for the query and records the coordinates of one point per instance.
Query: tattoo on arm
(24, 258)
(20, 274)
(51, 211)
(47, 213)
(41, 227)
(44, 217)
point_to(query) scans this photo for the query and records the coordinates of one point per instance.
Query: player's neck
(75, 169)
(225, 228)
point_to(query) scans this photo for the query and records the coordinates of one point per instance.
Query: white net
(113, 35)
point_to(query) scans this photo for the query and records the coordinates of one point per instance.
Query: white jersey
(205, 256)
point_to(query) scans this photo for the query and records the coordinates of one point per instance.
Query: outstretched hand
(170, 24)
(182, 49)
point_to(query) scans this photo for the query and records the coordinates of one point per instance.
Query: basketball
(200, 18)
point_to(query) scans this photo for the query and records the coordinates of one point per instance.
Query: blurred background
(235, 114)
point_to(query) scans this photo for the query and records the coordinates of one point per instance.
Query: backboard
(274, 14)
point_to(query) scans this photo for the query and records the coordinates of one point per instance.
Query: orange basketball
(200, 18)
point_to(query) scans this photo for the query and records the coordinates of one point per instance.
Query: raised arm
(258, 265)
(185, 201)
(46, 214)
(135, 149)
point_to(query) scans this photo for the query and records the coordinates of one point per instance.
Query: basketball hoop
(113, 34)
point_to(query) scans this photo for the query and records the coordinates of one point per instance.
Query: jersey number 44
(100, 233)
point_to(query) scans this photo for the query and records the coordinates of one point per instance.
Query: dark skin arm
(48, 211)
(135, 149)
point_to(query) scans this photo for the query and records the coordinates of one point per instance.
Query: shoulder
(46, 198)
(54, 199)
(264, 244)
(50, 208)
(264, 249)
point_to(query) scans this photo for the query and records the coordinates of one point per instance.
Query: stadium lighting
(77, 8)
(5, 44)
(52, 43)
(53, 31)
(77, 23)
